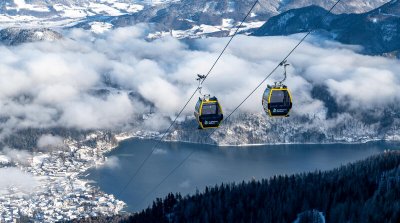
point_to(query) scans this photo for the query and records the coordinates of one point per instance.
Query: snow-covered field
(205, 30)
(22, 14)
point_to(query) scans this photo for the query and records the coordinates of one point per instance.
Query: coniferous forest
(365, 191)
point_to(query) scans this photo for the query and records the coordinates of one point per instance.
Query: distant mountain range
(179, 18)
(188, 13)
(222, 14)
(165, 14)
(378, 31)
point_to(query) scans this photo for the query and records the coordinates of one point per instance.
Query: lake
(211, 165)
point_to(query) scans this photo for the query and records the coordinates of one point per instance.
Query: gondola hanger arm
(200, 78)
(284, 63)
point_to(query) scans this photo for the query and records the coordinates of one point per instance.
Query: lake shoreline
(212, 165)
(124, 136)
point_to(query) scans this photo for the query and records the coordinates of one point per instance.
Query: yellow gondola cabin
(208, 113)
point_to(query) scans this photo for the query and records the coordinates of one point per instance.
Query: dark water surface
(211, 165)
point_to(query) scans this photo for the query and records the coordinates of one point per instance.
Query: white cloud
(14, 177)
(368, 88)
(91, 112)
(18, 156)
(49, 142)
(51, 84)
(156, 122)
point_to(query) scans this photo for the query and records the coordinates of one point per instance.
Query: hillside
(376, 31)
(211, 18)
(215, 18)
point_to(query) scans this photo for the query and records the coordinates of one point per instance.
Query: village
(62, 194)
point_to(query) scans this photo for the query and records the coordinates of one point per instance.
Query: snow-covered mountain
(198, 17)
(377, 31)
(193, 16)
(178, 14)
(188, 18)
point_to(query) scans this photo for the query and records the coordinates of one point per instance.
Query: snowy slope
(39, 13)
(377, 30)
(193, 18)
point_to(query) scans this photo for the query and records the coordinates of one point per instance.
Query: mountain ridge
(376, 31)
(181, 14)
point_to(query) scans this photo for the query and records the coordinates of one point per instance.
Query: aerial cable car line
(208, 136)
(191, 97)
(282, 63)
